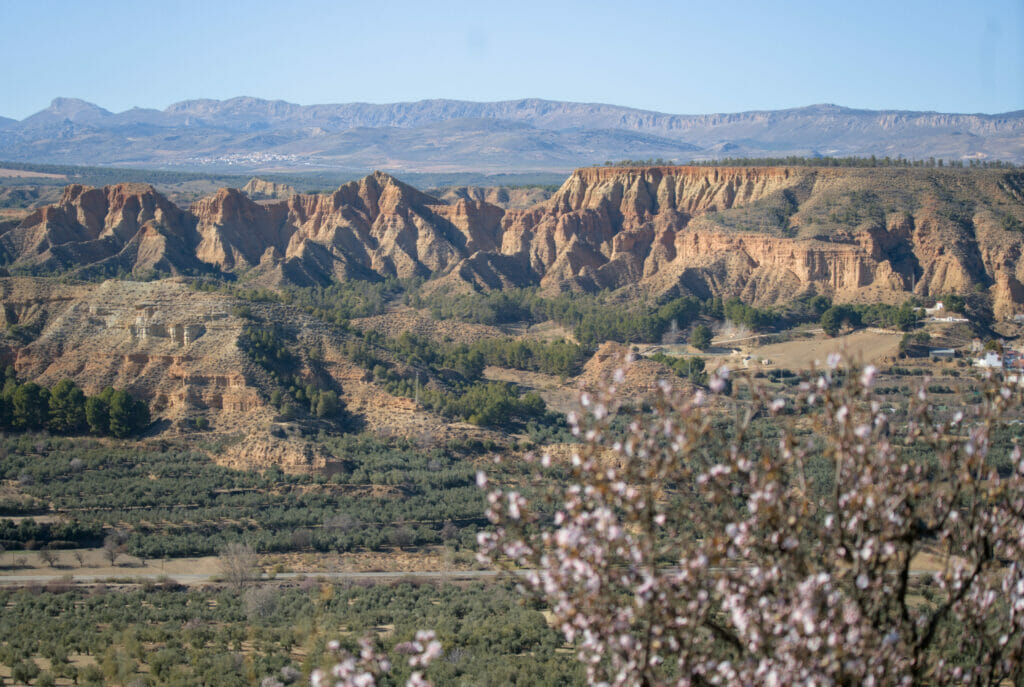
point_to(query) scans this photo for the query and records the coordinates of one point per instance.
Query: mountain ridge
(526, 134)
(439, 108)
(761, 234)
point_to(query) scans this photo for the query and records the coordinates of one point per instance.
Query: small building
(977, 346)
(992, 360)
(935, 310)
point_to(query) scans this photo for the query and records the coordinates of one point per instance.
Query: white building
(991, 360)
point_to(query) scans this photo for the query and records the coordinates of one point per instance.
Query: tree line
(593, 319)
(550, 357)
(649, 162)
(65, 409)
(903, 317)
(853, 161)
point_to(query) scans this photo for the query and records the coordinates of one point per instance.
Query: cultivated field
(25, 174)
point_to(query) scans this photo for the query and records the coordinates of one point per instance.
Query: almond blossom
(370, 666)
(832, 549)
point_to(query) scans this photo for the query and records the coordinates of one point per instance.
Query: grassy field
(28, 174)
(867, 347)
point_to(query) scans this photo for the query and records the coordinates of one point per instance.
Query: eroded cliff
(120, 228)
(761, 234)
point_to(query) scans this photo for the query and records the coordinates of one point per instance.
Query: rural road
(200, 578)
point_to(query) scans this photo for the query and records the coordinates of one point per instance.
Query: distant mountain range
(249, 134)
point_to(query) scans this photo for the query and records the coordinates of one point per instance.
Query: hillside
(179, 350)
(237, 314)
(445, 135)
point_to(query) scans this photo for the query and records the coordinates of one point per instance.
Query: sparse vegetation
(296, 392)
(595, 319)
(689, 368)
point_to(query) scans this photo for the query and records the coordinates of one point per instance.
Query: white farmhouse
(991, 360)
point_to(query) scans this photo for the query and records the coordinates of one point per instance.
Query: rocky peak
(119, 209)
(224, 203)
(235, 230)
(132, 225)
(76, 110)
(382, 193)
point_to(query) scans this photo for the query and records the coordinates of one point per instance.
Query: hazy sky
(679, 57)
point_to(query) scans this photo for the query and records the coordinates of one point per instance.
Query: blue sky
(679, 57)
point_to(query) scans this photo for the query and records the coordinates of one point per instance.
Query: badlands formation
(761, 234)
(764, 235)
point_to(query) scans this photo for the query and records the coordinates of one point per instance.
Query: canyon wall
(764, 235)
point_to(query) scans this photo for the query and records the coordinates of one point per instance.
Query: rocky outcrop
(856, 234)
(632, 376)
(121, 228)
(367, 229)
(236, 231)
(291, 454)
(509, 198)
(261, 189)
(762, 234)
(165, 343)
(612, 227)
